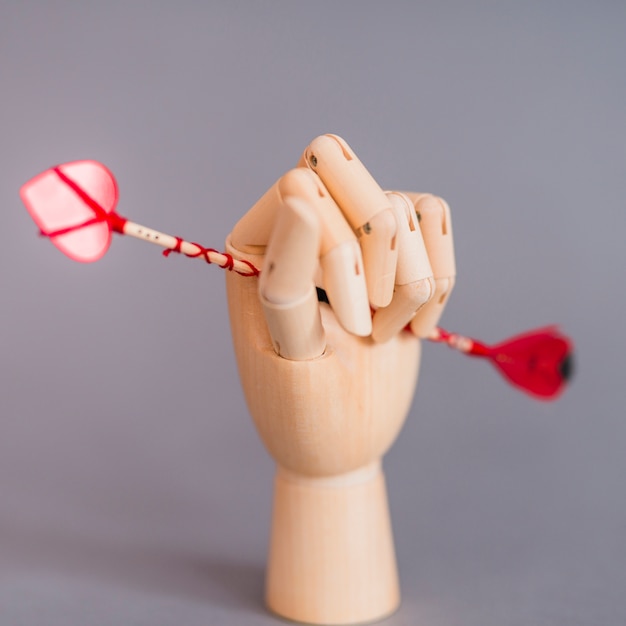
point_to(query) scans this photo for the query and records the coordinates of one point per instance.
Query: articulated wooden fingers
(341, 263)
(366, 208)
(342, 275)
(436, 226)
(286, 286)
(307, 225)
(414, 283)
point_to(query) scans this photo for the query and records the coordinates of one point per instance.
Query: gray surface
(133, 489)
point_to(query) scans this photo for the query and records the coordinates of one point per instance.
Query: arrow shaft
(188, 248)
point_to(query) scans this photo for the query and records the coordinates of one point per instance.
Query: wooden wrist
(332, 558)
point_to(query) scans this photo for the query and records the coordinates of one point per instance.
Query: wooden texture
(339, 254)
(329, 410)
(331, 557)
(364, 205)
(327, 423)
(329, 415)
(436, 227)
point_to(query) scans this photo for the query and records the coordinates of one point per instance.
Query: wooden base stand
(332, 558)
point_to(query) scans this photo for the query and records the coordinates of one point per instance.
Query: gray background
(133, 488)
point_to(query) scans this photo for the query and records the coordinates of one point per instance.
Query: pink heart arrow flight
(74, 205)
(78, 218)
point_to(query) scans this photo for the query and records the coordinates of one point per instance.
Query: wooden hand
(329, 387)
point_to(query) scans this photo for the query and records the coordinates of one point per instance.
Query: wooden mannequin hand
(329, 386)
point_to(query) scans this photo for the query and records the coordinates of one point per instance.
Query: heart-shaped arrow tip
(539, 361)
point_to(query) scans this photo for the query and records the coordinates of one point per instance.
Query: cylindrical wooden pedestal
(332, 558)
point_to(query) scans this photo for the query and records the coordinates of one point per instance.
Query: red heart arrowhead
(74, 204)
(539, 361)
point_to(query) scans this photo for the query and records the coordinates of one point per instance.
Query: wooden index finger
(365, 207)
(342, 272)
